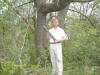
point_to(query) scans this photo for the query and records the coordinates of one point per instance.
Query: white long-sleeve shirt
(58, 34)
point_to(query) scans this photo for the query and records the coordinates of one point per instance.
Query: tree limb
(57, 5)
(22, 16)
(25, 3)
(84, 16)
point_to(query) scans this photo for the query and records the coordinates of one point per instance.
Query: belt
(54, 42)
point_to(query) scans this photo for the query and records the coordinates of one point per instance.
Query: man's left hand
(56, 41)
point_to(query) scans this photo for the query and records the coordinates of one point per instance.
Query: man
(56, 48)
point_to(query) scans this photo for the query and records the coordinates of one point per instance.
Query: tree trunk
(40, 34)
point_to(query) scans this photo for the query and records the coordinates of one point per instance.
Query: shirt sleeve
(64, 34)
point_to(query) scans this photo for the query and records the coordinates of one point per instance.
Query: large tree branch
(57, 5)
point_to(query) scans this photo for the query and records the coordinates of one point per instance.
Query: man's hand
(63, 38)
(56, 41)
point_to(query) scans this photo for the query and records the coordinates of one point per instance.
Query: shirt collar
(57, 28)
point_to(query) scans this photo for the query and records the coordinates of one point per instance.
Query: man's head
(55, 22)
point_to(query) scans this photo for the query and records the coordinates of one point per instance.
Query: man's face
(55, 22)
